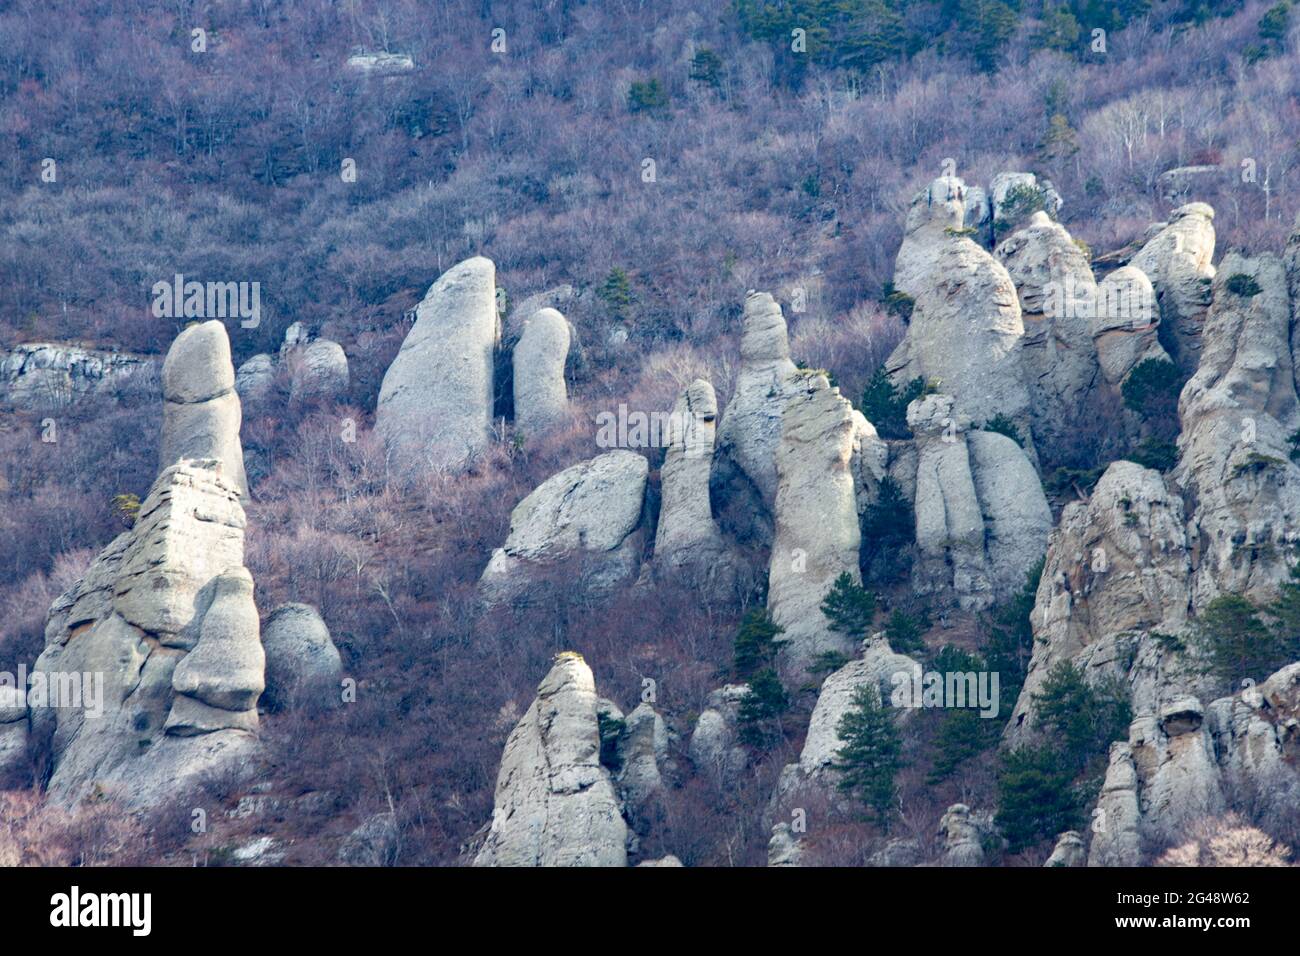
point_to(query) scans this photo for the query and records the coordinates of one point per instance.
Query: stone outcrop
(1115, 837)
(555, 803)
(817, 533)
(166, 615)
(934, 215)
(715, 743)
(1237, 413)
(1057, 294)
(1178, 261)
(1069, 851)
(435, 404)
(982, 520)
(1125, 324)
(688, 541)
(966, 835)
(744, 467)
(966, 337)
(320, 370)
(47, 377)
(201, 410)
(541, 396)
(590, 512)
(255, 379)
(303, 667)
(15, 768)
(376, 842)
(1116, 572)
(784, 848)
(1001, 198)
(643, 759)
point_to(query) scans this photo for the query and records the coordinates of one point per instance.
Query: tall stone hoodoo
(541, 396)
(934, 214)
(688, 541)
(817, 533)
(435, 404)
(1238, 412)
(166, 614)
(201, 410)
(1125, 324)
(966, 337)
(1057, 299)
(744, 468)
(982, 520)
(555, 803)
(590, 513)
(1178, 261)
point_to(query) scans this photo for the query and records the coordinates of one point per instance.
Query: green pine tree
(1082, 719)
(755, 645)
(849, 607)
(758, 717)
(1036, 797)
(1236, 641)
(871, 754)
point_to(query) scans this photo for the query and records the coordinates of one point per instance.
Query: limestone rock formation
(966, 337)
(1003, 194)
(320, 370)
(935, 213)
(817, 533)
(1057, 294)
(303, 667)
(982, 520)
(1178, 261)
(1116, 572)
(964, 835)
(784, 848)
(1125, 323)
(879, 667)
(744, 467)
(255, 379)
(201, 410)
(46, 377)
(15, 769)
(166, 615)
(1238, 412)
(643, 758)
(592, 512)
(1069, 851)
(688, 542)
(1115, 837)
(435, 404)
(555, 803)
(715, 748)
(541, 396)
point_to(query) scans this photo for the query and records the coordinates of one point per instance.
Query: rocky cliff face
(1178, 261)
(47, 377)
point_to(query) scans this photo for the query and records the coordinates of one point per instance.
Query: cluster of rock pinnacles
(1000, 326)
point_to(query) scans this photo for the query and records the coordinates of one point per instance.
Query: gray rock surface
(376, 842)
(1057, 294)
(1124, 329)
(47, 377)
(966, 337)
(688, 542)
(1237, 413)
(255, 379)
(714, 747)
(201, 410)
(541, 396)
(172, 587)
(591, 511)
(934, 214)
(320, 370)
(303, 667)
(435, 404)
(1069, 851)
(555, 803)
(1178, 261)
(817, 533)
(744, 467)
